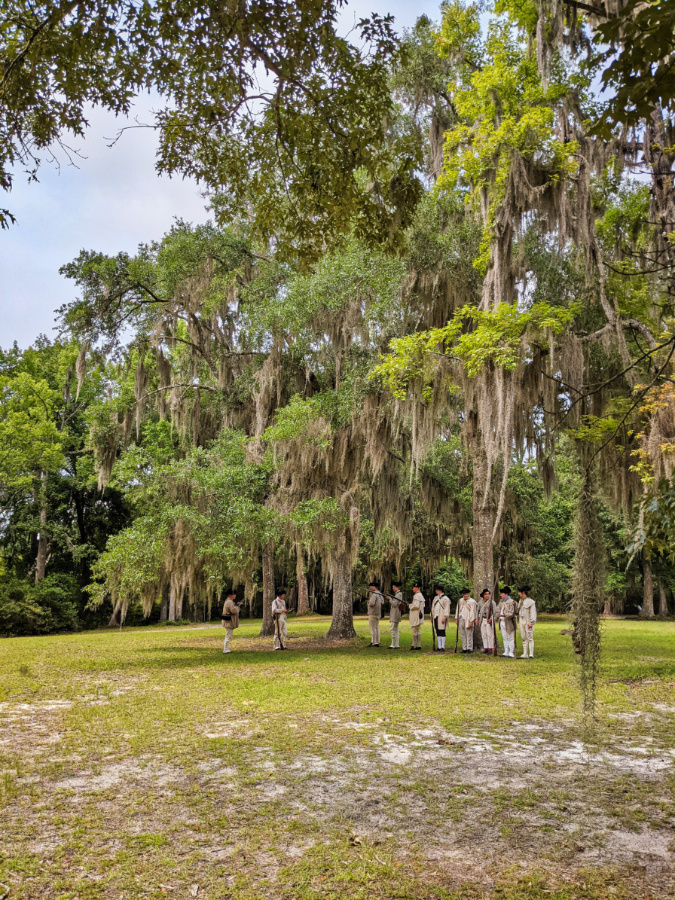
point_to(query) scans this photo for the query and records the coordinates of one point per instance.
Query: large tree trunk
(43, 546)
(342, 624)
(483, 525)
(648, 591)
(267, 627)
(303, 593)
(607, 611)
(663, 601)
(164, 607)
(172, 604)
(116, 618)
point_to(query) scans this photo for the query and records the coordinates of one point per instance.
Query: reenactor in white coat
(375, 601)
(415, 617)
(395, 614)
(466, 613)
(527, 615)
(507, 622)
(230, 618)
(440, 614)
(279, 612)
(487, 610)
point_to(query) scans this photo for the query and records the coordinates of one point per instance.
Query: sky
(110, 200)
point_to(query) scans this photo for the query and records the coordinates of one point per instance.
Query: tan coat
(527, 611)
(278, 607)
(467, 611)
(416, 607)
(507, 615)
(395, 607)
(375, 601)
(230, 608)
(440, 609)
(486, 609)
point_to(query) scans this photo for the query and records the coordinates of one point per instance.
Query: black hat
(396, 584)
(505, 590)
(231, 593)
(373, 584)
(439, 588)
(485, 591)
(524, 590)
(281, 592)
(466, 591)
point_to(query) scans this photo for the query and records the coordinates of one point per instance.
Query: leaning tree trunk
(267, 627)
(483, 526)
(663, 602)
(116, 618)
(43, 546)
(303, 593)
(342, 624)
(648, 591)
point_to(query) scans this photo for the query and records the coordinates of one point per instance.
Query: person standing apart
(487, 610)
(507, 622)
(440, 613)
(527, 614)
(375, 601)
(230, 618)
(415, 617)
(279, 612)
(466, 613)
(395, 614)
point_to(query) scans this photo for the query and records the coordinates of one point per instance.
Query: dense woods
(428, 333)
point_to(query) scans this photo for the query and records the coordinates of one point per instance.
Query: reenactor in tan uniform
(279, 612)
(507, 622)
(487, 611)
(527, 615)
(415, 617)
(395, 614)
(466, 613)
(375, 601)
(230, 618)
(440, 614)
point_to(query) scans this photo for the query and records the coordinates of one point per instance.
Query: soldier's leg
(373, 625)
(417, 636)
(275, 642)
(469, 637)
(530, 642)
(524, 639)
(284, 630)
(228, 638)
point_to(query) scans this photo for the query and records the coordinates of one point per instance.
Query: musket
(457, 629)
(281, 643)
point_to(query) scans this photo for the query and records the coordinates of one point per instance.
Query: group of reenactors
(484, 615)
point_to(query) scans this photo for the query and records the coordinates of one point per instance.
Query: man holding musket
(487, 610)
(440, 613)
(527, 615)
(465, 614)
(415, 618)
(507, 622)
(395, 614)
(375, 601)
(279, 613)
(230, 618)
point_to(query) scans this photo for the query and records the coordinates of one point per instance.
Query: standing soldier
(395, 611)
(279, 615)
(375, 601)
(440, 613)
(466, 615)
(230, 618)
(487, 610)
(416, 610)
(507, 622)
(527, 613)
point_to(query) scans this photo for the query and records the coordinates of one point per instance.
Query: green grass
(145, 763)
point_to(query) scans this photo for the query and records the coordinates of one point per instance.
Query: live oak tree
(264, 102)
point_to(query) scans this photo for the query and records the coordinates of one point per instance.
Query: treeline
(460, 369)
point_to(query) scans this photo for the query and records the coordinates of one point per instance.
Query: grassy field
(145, 763)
